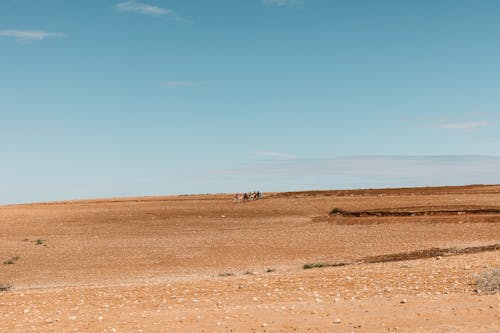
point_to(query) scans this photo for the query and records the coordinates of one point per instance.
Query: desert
(286, 263)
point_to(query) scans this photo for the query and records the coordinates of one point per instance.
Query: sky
(110, 98)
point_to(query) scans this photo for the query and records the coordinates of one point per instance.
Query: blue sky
(104, 98)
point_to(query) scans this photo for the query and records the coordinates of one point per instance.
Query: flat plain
(402, 260)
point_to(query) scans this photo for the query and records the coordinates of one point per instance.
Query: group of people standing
(254, 195)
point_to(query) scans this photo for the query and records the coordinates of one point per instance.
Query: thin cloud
(178, 84)
(272, 154)
(142, 8)
(28, 36)
(464, 126)
(365, 171)
(282, 3)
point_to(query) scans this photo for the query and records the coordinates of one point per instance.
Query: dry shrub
(5, 287)
(489, 282)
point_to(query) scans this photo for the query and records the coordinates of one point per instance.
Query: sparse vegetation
(315, 265)
(489, 282)
(5, 287)
(11, 261)
(337, 211)
(226, 274)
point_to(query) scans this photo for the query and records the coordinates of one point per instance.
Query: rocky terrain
(206, 264)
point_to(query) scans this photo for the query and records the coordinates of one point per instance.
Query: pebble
(403, 301)
(337, 321)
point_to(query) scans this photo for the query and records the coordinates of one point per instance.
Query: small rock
(337, 321)
(264, 325)
(403, 301)
(467, 267)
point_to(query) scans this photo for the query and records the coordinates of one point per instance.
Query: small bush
(248, 273)
(336, 211)
(315, 265)
(11, 261)
(489, 282)
(5, 287)
(270, 270)
(39, 242)
(226, 274)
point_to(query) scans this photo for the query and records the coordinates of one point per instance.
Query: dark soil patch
(412, 255)
(416, 211)
(429, 253)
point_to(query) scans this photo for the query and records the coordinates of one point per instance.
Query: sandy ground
(206, 264)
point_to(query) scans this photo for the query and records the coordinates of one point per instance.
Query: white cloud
(142, 8)
(177, 84)
(27, 36)
(464, 126)
(282, 3)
